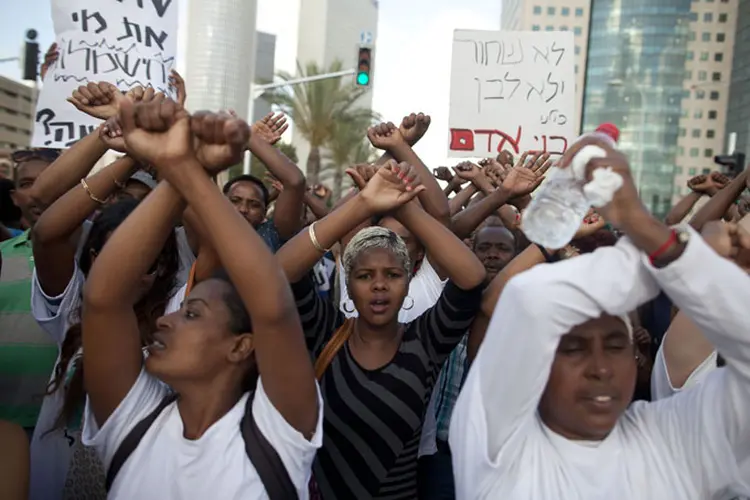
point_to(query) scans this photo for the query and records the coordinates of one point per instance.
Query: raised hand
(414, 127)
(220, 140)
(110, 134)
(443, 173)
(730, 241)
(592, 223)
(322, 191)
(385, 136)
(361, 174)
(100, 100)
(157, 132)
(521, 182)
(625, 207)
(708, 184)
(467, 171)
(177, 84)
(394, 185)
(270, 128)
(50, 58)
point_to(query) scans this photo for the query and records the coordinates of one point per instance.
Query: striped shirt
(373, 418)
(27, 353)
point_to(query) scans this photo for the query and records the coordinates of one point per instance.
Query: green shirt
(27, 352)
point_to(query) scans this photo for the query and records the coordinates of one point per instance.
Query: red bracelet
(666, 246)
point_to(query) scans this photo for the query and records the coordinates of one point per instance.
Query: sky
(412, 62)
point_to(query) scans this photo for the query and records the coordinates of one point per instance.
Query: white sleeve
(295, 450)
(430, 281)
(55, 314)
(145, 395)
(708, 426)
(536, 308)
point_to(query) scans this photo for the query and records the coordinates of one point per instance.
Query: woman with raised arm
(241, 387)
(376, 373)
(546, 413)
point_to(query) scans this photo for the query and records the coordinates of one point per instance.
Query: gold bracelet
(314, 239)
(119, 184)
(91, 195)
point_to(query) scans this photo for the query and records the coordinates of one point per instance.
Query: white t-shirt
(683, 447)
(166, 465)
(51, 452)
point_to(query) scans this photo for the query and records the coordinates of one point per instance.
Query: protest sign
(511, 91)
(124, 42)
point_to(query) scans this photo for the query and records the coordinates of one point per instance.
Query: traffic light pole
(258, 90)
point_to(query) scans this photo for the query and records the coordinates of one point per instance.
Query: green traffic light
(363, 78)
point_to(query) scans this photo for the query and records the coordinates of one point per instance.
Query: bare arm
(317, 206)
(454, 258)
(720, 203)
(458, 202)
(111, 338)
(465, 222)
(287, 215)
(54, 239)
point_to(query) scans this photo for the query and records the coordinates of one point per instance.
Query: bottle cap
(609, 129)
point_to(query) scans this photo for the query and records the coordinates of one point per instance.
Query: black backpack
(262, 455)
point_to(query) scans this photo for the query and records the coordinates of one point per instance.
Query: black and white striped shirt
(373, 418)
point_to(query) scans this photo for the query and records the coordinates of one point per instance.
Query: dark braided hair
(147, 310)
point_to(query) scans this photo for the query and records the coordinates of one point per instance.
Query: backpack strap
(333, 346)
(265, 459)
(191, 280)
(133, 439)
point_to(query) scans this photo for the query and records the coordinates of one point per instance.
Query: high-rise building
(17, 103)
(706, 89)
(738, 114)
(554, 15)
(220, 49)
(331, 30)
(265, 54)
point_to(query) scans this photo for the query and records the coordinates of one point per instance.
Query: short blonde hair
(375, 237)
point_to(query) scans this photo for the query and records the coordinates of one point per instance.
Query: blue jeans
(435, 475)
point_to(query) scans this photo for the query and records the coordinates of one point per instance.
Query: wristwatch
(672, 249)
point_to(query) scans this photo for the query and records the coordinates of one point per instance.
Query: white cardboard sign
(123, 42)
(511, 90)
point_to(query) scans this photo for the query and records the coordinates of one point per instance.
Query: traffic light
(363, 68)
(31, 57)
(734, 163)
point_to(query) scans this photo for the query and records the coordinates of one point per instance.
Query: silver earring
(348, 303)
(410, 306)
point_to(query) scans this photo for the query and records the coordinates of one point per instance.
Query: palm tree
(316, 107)
(347, 146)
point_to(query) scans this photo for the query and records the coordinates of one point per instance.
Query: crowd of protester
(165, 338)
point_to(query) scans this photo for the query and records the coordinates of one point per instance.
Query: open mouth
(379, 306)
(157, 344)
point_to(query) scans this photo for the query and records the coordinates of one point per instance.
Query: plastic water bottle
(556, 212)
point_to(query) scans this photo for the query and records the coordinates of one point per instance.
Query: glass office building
(738, 113)
(634, 79)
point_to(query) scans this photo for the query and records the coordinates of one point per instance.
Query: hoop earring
(347, 303)
(411, 304)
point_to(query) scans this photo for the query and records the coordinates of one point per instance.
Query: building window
(716, 76)
(720, 37)
(690, 55)
(578, 49)
(688, 74)
(691, 36)
(704, 56)
(563, 28)
(700, 94)
(705, 36)
(693, 16)
(702, 76)
(683, 132)
(696, 133)
(680, 151)
(708, 153)
(535, 27)
(576, 70)
(698, 114)
(549, 28)
(710, 134)
(722, 18)
(692, 172)
(718, 57)
(708, 17)
(712, 115)
(537, 9)
(565, 11)
(714, 95)
(694, 152)
(550, 11)
(579, 12)
(577, 30)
